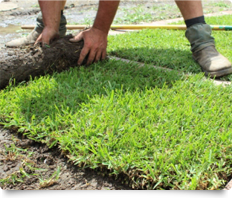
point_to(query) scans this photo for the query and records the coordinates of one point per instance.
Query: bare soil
(19, 154)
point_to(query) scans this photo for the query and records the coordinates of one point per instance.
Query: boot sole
(217, 74)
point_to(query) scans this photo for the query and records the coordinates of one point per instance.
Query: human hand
(95, 43)
(47, 36)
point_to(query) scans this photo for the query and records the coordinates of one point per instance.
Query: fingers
(95, 43)
(46, 40)
(91, 57)
(98, 56)
(43, 40)
(77, 38)
(39, 39)
(103, 55)
(95, 55)
(84, 53)
(47, 36)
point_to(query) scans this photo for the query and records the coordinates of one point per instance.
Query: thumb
(77, 38)
(39, 39)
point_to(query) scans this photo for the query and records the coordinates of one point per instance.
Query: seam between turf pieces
(141, 64)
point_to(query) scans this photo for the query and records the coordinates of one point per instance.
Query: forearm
(105, 15)
(51, 13)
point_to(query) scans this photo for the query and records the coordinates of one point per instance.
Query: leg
(31, 37)
(190, 9)
(202, 43)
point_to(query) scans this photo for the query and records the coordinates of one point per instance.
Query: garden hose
(139, 27)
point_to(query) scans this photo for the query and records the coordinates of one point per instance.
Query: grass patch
(216, 6)
(159, 129)
(159, 47)
(215, 20)
(222, 4)
(135, 13)
(168, 48)
(145, 13)
(150, 12)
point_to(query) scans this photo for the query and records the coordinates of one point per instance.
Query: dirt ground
(27, 165)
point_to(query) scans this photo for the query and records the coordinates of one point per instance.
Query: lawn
(150, 128)
(168, 48)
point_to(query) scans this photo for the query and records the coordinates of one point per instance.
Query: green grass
(142, 13)
(147, 12)
(215, 20)
(168, 48)
(159, 47)
(134, 13)
(216, 6)
(158, 129)
(221, 4)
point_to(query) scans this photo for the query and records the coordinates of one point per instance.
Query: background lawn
(169, 48)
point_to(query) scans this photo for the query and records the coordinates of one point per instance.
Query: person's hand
(47, 36)
(95, 43)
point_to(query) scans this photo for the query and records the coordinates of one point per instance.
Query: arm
(51, 18)
(105, 15)
(95, 39)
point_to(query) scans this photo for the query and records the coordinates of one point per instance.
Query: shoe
(29, 39)
(32, 37)
(212, 63)
(203, 49)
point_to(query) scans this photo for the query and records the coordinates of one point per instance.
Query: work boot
(212, 63)
(32, 37)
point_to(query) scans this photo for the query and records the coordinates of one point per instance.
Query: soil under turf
(18, 153)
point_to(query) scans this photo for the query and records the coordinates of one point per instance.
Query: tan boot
(212, 63)
(32, 37)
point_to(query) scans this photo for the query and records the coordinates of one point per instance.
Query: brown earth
(21, 63)
(28, 165)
